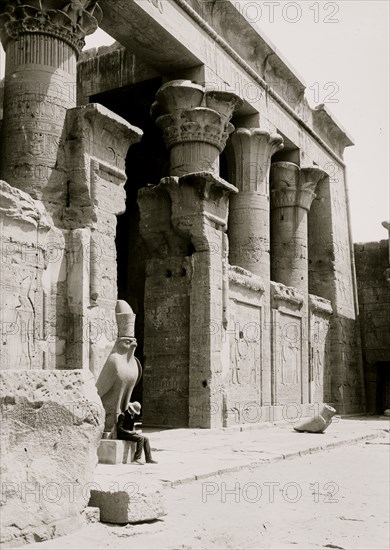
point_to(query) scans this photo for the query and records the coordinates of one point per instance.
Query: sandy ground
(334, 499)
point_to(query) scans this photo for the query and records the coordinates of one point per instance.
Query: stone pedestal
(116, 451)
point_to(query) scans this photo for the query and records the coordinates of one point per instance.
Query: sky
(341, 51)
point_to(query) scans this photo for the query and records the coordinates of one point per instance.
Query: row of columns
(42, 44)
(196, 126)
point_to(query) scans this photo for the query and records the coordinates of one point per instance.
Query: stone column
(292, 193)
(249, 231)
(196, 126)
(249, 210)
(42, 41)
(195, 123)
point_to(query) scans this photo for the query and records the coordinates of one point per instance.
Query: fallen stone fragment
(319, 422)
(131, 503)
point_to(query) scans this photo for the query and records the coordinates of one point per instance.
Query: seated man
(125, 430)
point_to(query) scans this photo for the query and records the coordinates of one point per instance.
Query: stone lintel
(285, 295)
(109, 68)
(191, 39)
(243, 277)
(320, 305)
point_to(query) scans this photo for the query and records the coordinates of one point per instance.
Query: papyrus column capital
(293, 186)
(253, 149)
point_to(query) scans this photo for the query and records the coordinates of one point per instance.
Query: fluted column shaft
(42, 42)
(249, 210)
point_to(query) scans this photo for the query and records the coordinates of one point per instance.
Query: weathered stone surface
(131, 503)
(91, 514)
(51, 427)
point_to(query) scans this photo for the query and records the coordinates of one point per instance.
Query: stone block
(116, 451)
(52, 423)
(131, 503)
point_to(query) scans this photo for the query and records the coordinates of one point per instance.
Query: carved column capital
(196, 124)
(67, 20)
(253, 149)
(200, 206)
(293, 186)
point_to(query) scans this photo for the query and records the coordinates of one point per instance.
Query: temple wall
(372, 265)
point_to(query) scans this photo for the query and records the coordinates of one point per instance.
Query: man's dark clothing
(125, 430)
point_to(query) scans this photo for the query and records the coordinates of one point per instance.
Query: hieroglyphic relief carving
(287, 342)
(245, 346)
(289, 362)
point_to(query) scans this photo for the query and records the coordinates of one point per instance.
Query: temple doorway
(146, 163)
(383, 386)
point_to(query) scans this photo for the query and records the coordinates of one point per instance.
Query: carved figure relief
(289, 362)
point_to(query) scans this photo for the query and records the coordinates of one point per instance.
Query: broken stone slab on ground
(135, 501)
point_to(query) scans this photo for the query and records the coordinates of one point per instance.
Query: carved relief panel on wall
(288, 359)
(244, 379)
